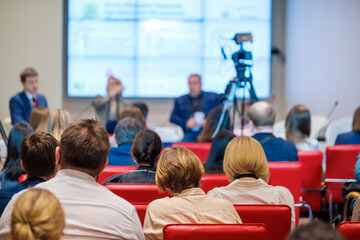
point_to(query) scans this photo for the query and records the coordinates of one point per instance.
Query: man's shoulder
(17, 97)
(182, 98)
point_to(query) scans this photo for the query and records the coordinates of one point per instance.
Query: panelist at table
(22, 103)
(191, 109)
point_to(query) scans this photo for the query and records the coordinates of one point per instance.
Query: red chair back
(112, 170)
(136, 193)
(141, 211)
(340, 164)
(277, 218)
(311, 178)
(210, 181)
(201, 150)
(350, 230)
(215, 231)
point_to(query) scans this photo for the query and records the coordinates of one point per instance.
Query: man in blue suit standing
(22, 103)
(191, 109)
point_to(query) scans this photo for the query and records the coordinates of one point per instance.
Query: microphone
(322, 131)
(223, 53)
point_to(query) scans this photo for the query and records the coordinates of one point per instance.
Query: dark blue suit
(182, 108)
(121, 156)
(20, 107)
(277, 149)
(348, 138)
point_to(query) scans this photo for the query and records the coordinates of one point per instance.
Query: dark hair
(84, 144)
(211, 123)
(146, 147)
(316, 230)
(28, 72)
(214, 161)
(38, 154)
(143, 108)
(298, 123)
(356, 120)
(132, 112)
(126, 130)
(12, 167)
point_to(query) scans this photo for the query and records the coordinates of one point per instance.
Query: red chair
(141, 211)
(215, 231)
(112, 170)
(210, 181)
(311, 180)
(288, 174)
(201, 150)
(350, 230)
(136, 193)
(277, 218)
(340, 164)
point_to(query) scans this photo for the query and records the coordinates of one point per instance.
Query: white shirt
(30, 97)
(190, 206)
(91, 210)
(255, 192)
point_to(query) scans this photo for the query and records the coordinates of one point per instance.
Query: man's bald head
(262, 114)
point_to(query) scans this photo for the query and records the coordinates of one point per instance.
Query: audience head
(143, 108)
(37, 214)
(126, 130)
(194, 85)
(84, 146)
(29, 80)
(356, 120)
(38, 155)
(212, 121)
(39, 118)
(146, 147)
(132, 112)
(245, 155)
(316, 230)
(214, 161)
(112, 82)
(59, 120)
(262, 114)
(298, 123)
(178, 169)
(12, 166)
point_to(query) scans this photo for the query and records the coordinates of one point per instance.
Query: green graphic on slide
(90, 11)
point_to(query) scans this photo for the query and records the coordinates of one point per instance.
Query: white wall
(30, 35)
(323, 55)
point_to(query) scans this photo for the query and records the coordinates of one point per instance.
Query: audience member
(107, 108)
(262, 116)
(179, 171)
(247, 169)
(357, 169)
(315, 230)
(91, 210)
(355, 217)
(133, 112)
(210, 125)
(37, 214)
(39, 118)
(190, 109)
(38, 161)
(146, 149)
(352, 137)
(298, 127)
(214, 161)
(125, 132)
(143, 108)
(59, 120)
(12, 170)
(21, 104)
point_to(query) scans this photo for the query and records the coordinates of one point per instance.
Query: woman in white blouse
(179, 171)
(246, 167)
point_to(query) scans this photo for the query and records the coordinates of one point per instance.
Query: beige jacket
(189, 206)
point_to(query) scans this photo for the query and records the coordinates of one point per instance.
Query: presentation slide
(153, 45)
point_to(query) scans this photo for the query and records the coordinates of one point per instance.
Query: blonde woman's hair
(59, 120)
(39, 118)
(178, 169)
(37, 214)
(245, 155)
